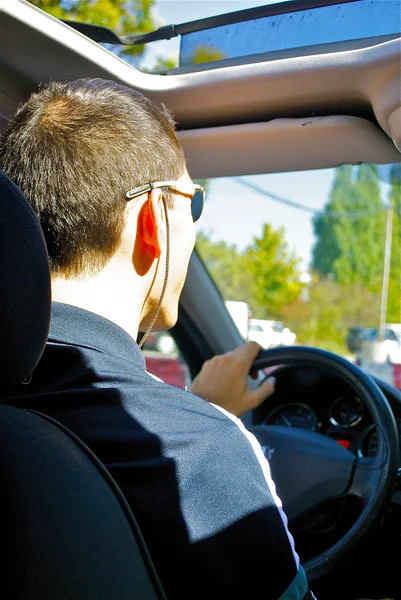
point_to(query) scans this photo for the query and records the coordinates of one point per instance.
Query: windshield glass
(317, 252)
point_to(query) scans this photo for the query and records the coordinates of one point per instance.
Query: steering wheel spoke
(308, 468)
(366, 478)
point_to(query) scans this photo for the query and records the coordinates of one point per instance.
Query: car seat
(67, 530)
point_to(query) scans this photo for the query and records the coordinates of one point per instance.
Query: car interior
(276, 111)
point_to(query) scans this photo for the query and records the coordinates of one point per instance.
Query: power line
(297, 205)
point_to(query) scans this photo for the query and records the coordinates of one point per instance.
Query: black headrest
(25, 300)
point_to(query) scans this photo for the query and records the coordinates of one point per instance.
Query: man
(105, 173)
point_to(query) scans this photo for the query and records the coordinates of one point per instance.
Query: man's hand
(223, 380)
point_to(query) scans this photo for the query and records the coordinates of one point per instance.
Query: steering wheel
(310, 468)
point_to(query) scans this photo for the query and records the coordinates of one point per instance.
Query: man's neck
(108, 294)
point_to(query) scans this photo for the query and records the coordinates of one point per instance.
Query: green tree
(351, 250)
(227, 266)
(322, 316)
(121, 16)
(327, 248)
(274, 271)
(163, 64)
(350, 247)
(265, 274)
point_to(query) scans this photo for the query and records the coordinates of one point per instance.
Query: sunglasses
(197, 197)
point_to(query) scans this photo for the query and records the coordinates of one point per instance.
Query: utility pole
(386, 270)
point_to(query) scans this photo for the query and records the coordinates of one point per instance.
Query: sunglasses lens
(197, 204)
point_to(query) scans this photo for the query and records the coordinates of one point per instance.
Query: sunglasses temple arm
(138, 191)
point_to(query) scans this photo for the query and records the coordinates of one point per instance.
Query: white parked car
(364, 342)
(270, 333)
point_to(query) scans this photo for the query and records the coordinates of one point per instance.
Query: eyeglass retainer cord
(163, 292)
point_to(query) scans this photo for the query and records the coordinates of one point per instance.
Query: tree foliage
(274, 271)
(227, 267)
(350, 248)
(265, 274)
(322, 315)
(163, 64)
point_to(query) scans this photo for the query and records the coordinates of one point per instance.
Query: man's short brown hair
(74, 149)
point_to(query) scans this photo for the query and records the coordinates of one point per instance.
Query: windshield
(316, 252)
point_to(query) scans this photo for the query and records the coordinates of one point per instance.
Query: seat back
(67, 531)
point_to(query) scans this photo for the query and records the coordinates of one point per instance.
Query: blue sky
(180, 11)
(232, 212)
(236, 214)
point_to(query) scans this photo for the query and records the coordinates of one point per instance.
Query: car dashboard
(308, 398)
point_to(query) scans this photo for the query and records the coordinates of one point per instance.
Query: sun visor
(285, 145)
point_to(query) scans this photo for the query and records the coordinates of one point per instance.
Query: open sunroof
(262, 33)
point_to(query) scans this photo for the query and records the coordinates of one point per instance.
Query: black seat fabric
(66, 530)
(71, 535)
(24, 286)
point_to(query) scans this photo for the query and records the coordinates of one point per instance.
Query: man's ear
(154, 226)
(151, 232)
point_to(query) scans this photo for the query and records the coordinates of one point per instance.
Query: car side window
(164, 360)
